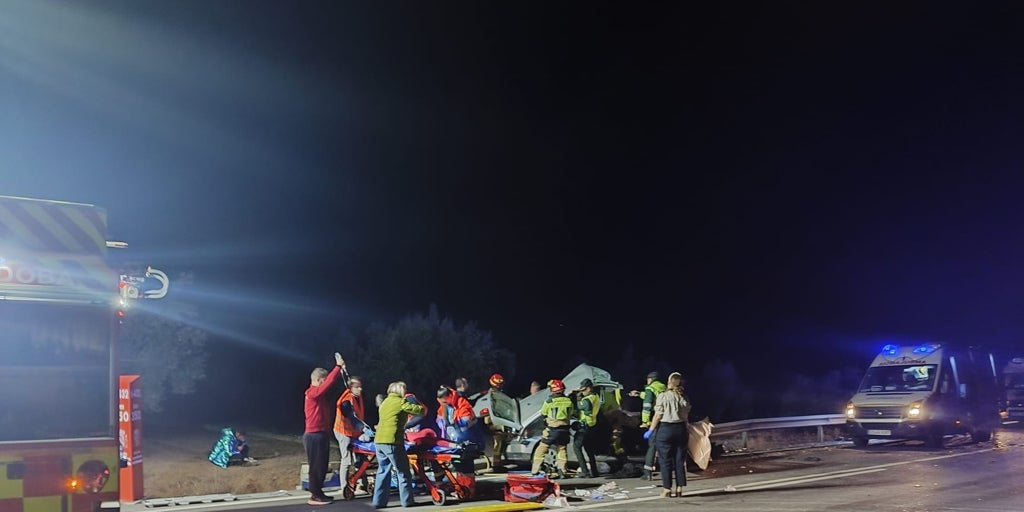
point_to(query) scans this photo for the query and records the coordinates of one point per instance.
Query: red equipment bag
(521, 486)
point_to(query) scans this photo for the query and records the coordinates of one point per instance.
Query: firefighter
(616, 419)
(499, 438)
(588, 404)
(557, 410)
(653, 388)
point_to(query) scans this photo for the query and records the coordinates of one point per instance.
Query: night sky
(747, 181)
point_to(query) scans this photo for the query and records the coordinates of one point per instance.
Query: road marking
(781, 482)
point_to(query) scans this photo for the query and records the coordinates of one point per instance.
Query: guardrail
(740, 428)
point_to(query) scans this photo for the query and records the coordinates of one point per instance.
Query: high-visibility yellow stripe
(43, 504)
(43, 216)
(20, 230)
(500, 507)
(83, 223)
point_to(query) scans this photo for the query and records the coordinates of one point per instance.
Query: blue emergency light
(890, 350)
(927, 348)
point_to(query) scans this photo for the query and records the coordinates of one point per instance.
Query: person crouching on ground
(231, 448)
(394, 412)
(316, 438)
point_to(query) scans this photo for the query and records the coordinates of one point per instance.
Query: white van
(1013, 380)
(925, 392)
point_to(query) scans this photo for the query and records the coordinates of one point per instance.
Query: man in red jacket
(316, 439)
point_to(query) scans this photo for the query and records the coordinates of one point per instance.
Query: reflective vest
(343, 424)
(557, 410)
(651, 391)
(589, 406)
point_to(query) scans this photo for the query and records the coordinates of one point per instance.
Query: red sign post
(129, 419)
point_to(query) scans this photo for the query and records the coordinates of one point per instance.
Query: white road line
(781, 482)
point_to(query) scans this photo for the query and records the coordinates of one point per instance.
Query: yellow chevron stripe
(80, 220)
(67, 240)
(21, 231)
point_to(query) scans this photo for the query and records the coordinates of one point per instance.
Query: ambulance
(60, 310)
(1013, 381)
(926, 392)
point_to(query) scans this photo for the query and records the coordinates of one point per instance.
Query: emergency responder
(557, 410)
(349, 424)
(455, 416)
(616, 419)
(499, 438)
(588, 404)
(648, 395)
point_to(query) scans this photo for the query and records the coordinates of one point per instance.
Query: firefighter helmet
(556, 386)
(497, 380)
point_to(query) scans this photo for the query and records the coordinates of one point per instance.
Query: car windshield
(899, 378)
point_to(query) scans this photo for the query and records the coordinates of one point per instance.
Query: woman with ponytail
(668, 427)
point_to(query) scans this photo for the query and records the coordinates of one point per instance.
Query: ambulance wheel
(437, 496)
(860, 442)
(349, 492)
(935, 440)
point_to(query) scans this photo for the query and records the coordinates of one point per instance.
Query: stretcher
(366, 455)
(445, 469)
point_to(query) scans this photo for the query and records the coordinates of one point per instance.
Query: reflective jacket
(589, 406)
(226, 447)
(651, 391)
(455, 418)
(558, 410)
(348, 419)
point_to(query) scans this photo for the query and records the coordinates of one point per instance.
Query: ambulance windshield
(897, 378)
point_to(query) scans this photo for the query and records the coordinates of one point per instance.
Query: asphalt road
(902, 476)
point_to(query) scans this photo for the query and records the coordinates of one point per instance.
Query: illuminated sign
(11, 273)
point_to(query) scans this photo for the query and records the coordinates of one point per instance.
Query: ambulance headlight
(851, 411)
(914, 411)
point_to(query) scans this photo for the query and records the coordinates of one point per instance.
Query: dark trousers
(318, 447)
(579, 442)
(651, 450)
(671, 439)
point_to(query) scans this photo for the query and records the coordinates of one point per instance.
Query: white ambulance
(926, 392)
(1013, 380)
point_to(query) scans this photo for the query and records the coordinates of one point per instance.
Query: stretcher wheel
(437, 496)
(349, 492)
